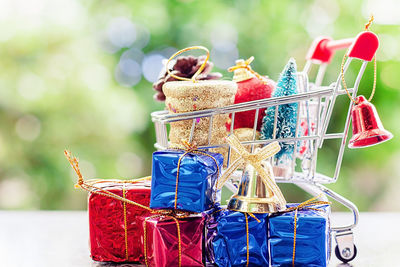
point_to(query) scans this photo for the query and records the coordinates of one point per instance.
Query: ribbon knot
(242, 64)
(255, 159)
(246, 65)
(75, 165)
(191, 148)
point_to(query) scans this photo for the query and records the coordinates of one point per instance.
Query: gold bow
(246, 65)
(255, 160)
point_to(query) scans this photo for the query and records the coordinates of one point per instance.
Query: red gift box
(115, 229)
(161, 240)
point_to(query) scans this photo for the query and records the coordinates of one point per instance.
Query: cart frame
(362, 47)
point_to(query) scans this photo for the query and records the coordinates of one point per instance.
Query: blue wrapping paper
(226, 243)
(313, 239)
(198, 175)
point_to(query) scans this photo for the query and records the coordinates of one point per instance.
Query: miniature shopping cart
(312, 99)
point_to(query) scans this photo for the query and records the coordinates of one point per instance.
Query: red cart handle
(363, 47)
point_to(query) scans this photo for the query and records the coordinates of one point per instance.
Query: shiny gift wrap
(162, 242)
(198, 174)
(313, 239)
(110, 240)
(226, 243)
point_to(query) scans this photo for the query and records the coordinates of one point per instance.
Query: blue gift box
(313, 238)
(198, 174)
(226, 239)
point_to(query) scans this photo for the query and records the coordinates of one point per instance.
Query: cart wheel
(339, 256)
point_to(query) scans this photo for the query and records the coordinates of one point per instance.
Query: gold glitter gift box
(188, 96)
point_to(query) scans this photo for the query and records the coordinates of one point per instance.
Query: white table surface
(60, 238)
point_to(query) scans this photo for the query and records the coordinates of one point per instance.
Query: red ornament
(251, 86)
(367, 126)
(107, 224)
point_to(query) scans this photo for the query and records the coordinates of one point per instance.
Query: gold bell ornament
(258, 191)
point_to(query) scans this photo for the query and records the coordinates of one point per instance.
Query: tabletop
(60, 238)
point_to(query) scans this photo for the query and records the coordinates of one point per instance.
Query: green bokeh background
(58, 87)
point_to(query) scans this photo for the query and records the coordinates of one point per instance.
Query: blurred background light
(129, 165)
(15, 192)
(126, 113)
(321, 18)
(224, 55)
(96, 77)
(68, 14)
(152, 66)
(223, 34)
(31, 86)
(142, 36)
(132, 54)
(385, 11)
(87, 168)
(121, 32)
(128, 72)
(28, 127)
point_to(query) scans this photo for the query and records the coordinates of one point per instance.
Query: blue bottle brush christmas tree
(287, 113)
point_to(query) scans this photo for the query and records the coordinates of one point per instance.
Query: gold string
(247, 231)
(133, 181)
(191, 148)
(246, 65)
(308, 204)
(178, 234)
(294, 237)
(193, 79)
(247, 240)
(91, 188)
(254, 217)
(125, 223)
(177, 177)
(371, 19)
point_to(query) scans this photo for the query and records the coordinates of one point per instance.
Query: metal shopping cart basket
(312, 96)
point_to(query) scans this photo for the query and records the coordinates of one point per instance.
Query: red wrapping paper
(107, 226)
(162, 241)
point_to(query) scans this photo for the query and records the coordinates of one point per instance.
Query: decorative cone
(287, 113)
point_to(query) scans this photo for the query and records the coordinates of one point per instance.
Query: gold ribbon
(306, 205)
(125, 223)
(198, 72)
(191, 148)
(255, 160)
(91, 188)
(246, 65)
